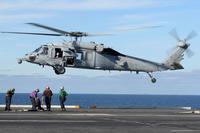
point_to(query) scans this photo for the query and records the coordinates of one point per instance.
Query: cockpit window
(41, 50)
(45, 50)
(37, 50)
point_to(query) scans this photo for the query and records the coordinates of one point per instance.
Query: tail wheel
(59, 70)
(153, 80)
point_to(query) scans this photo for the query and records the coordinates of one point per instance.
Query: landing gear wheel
(153, 80)
(59, 70)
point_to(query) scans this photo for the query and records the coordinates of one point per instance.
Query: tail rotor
(183, 43)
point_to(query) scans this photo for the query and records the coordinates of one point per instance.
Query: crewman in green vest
(62, 98)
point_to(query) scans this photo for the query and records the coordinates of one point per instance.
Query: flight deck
(101, 121)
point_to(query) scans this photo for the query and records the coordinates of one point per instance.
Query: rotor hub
(183, 44)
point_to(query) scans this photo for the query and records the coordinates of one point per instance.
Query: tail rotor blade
(191, 35)
(189, 53)
(174, 34)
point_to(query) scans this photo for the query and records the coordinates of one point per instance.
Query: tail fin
(174, 59)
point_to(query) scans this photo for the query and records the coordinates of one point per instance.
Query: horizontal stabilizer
(177, 66)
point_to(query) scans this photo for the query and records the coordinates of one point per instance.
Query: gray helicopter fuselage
(89, 56)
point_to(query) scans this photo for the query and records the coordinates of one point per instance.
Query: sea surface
(117, 101)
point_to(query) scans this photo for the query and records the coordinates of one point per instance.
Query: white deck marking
(96, 114)
(85, 114)
(175, 131)
(58, 114)
(52, 106)
(160, 115)
(24, 114)
(47, 121)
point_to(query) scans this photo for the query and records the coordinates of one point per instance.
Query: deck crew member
(8, 98)
(62, 98)
(33, 97)
(47, 94)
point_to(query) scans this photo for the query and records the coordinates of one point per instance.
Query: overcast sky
(102, 16)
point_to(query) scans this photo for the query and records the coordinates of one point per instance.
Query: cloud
(143, 16)
(22, 17)
(5, 70)
(20, 10)
(102, 5)
(79, 5)
(26, 10)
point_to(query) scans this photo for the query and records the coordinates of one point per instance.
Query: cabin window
(58, 53)
(79, 56)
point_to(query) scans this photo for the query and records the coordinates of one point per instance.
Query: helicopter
(92, 55)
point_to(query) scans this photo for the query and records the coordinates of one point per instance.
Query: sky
(112, 16)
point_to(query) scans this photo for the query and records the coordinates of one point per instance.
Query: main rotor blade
(50, 28)
(49, 34)
(29, 33)
(139, 28)
(65, 33)
(191, 35)
(100, 34)
(174, 34)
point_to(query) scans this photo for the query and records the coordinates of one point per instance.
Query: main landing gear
(59, 69)
(153, 80)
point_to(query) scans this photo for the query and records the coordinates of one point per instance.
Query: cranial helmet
(62, 88)
(37, 90)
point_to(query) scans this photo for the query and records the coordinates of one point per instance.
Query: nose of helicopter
(29, 58)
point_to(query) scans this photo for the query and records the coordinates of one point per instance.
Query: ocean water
(117, 101)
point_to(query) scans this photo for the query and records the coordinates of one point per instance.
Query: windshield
(41, 50)
(44, 50)
(37, 50)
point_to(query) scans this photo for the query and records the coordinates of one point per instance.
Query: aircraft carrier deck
(101, 121)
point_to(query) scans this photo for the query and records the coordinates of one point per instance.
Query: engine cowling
(99, 48)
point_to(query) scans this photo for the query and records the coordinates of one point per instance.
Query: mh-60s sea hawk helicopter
(90, 55)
